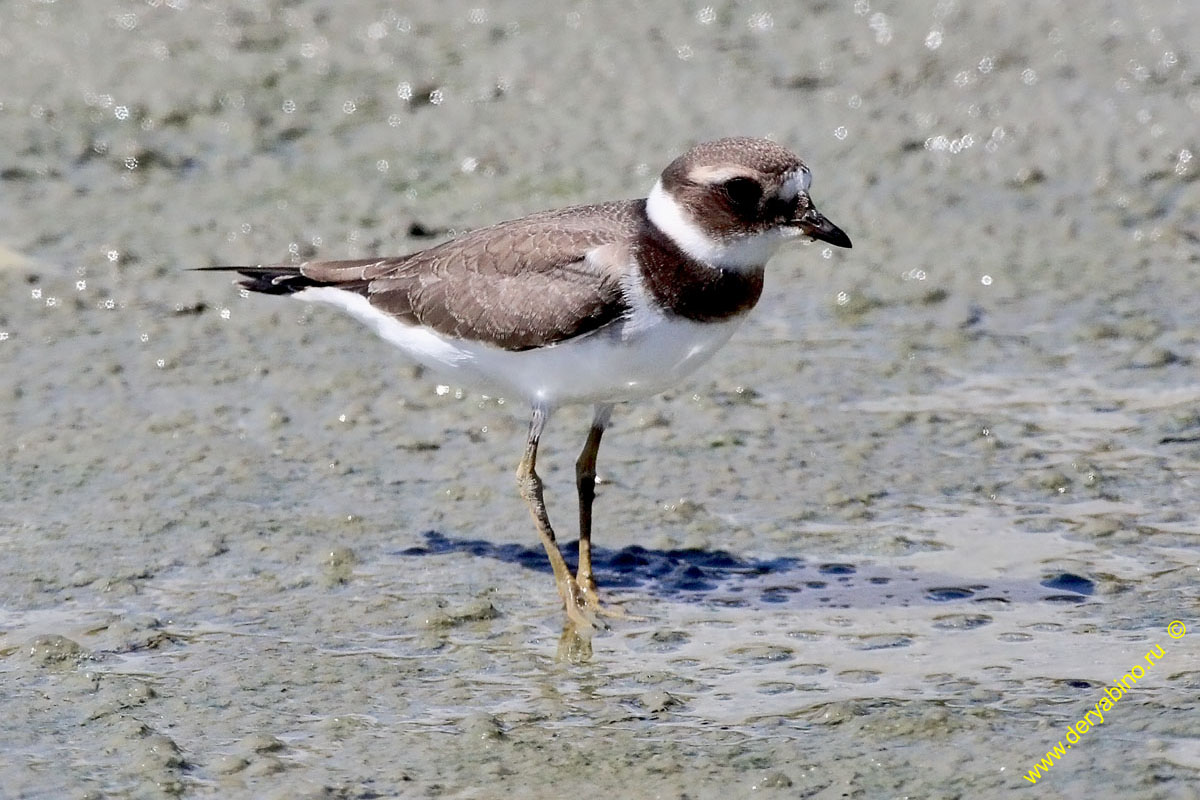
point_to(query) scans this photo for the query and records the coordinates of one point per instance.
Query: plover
(594, 304)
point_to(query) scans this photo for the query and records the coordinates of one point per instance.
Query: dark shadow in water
(719, 577)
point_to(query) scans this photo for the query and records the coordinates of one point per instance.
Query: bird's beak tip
(815, 225)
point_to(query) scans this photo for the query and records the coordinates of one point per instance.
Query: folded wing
(516, 285)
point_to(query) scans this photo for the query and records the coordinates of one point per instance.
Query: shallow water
(935, 497)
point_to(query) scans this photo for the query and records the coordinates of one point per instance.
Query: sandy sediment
(935, 496)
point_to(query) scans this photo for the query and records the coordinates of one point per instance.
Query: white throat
(751, 251)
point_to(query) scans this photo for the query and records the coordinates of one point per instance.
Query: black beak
(814, 224)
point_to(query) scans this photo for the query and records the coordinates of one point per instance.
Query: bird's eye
(744, 195)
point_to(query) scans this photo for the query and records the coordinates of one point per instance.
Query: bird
(592, 304)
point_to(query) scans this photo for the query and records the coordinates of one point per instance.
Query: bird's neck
(690, 288)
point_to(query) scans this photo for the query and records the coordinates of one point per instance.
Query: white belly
(619, 362)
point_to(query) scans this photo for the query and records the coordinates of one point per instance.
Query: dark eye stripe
(780, 209)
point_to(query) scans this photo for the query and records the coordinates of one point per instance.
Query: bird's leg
(585, 482)
(530, 486)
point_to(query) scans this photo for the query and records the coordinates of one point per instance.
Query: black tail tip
(276, 279)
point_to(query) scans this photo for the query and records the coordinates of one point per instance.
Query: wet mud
(934, 499)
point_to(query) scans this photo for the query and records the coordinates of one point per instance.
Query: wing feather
(517, 285)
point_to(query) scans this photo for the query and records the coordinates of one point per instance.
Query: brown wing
(518, 285)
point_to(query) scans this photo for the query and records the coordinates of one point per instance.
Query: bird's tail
(269, 279)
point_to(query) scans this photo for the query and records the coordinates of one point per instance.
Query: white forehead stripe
(718, 174)
(796, 182)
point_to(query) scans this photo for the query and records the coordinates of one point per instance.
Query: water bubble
(349, 107)
(97, 100)
(131, 162)
(1028, 76)
(469, 164)
(842, 298)
(160, 363)
(986, 280)
(145, 337)
(121, 112)
(36, 294)
(442, 389)
(827, 252)
(1185, 158)
(477, 16)
(404, 91)
(289, 106)
(840, 132)
(882, 27)
(394, 120)
(225, 313)
(437, 97)
(3, 336)
(684, 52)
(80, 285)
(706, 16)
(986, 65)
(109, 304)
(934, 40)
(381, 165)
(855, 101)
(761, 22)
(376, 30)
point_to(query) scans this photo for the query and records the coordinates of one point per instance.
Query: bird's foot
(591, 600)
(581, 613)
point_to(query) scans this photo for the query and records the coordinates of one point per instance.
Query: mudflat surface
(932, 502)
